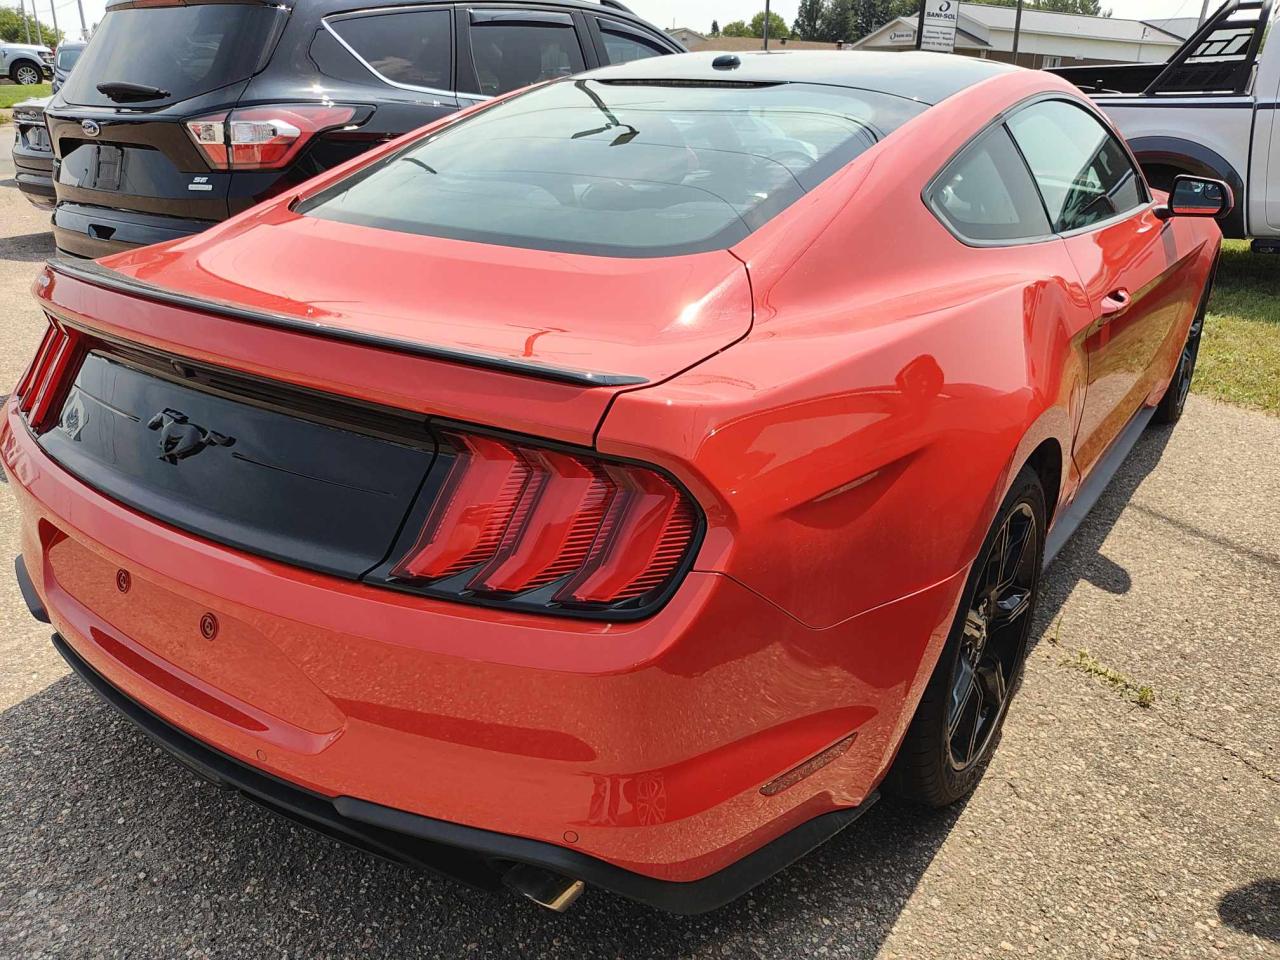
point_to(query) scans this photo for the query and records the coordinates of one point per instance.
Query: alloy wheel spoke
(992, 680)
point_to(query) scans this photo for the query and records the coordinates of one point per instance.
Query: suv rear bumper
(89, 231)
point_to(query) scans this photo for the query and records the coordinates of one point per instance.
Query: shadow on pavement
(1082, 558)
(27, 248)
(1254, 908)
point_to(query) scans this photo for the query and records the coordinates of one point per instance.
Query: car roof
(924, 77)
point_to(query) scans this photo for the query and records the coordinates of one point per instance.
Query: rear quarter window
(413, 48)
(986, 194)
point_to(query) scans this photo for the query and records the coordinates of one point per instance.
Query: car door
(509, 48)
(1127, 259)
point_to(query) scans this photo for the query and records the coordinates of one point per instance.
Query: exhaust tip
(547, 889)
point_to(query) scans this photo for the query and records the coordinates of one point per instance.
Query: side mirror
(1197, 197)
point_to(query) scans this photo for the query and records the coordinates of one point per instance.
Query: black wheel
(1175, 396)
(957, 725)
(25, 72)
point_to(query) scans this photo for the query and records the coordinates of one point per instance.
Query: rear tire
(1174, 401)
(25, 73)
(957, 725)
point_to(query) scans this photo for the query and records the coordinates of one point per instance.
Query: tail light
(554, 530)
(263, 138)
(41, 387)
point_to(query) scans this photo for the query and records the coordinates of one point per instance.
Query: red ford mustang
(618, 483)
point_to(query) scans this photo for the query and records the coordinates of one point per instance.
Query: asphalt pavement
(1103, 828)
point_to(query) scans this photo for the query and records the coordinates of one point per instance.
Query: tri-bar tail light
(41, 389)
(518, 525)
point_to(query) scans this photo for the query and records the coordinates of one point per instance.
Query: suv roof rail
(617, 5)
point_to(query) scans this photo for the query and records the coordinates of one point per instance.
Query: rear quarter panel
(853, 449)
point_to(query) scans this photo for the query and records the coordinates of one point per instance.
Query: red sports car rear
(606, 484)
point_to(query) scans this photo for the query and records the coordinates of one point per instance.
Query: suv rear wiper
(122, 90)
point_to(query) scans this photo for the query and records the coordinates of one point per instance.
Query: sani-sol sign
(939, 33)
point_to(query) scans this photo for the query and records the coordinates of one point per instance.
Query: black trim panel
(98, 275)
(469, 854)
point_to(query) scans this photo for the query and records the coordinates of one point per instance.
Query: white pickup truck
(1210, 110)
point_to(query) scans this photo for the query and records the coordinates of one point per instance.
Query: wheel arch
(1185, 156)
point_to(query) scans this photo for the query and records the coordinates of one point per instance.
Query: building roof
(924, 77)
(1068, 24)
(1181, 27)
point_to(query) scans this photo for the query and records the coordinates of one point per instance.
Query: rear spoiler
(1218, 58)
(90, 271)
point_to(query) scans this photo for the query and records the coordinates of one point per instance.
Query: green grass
(1240, 354)
(11, 93)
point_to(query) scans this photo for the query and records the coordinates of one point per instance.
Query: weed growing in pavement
(1140, 693)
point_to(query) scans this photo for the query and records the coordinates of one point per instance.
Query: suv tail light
(263, 138)
(533, 527)
(41, 387)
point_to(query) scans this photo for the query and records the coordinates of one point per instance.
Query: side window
(513, 50)
(1082, 171)
(622, 46)
(987, 194)
(414, 47)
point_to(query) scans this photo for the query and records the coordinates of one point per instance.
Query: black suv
(181, 114)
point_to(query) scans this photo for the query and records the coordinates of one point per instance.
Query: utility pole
(1017, 31)
(26, 24)
(53, 7)
(35, 15)
(1204, 10)
(84, 30)
(766, 23)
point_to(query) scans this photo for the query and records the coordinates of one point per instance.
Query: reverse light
(516, 524)
(263, 138)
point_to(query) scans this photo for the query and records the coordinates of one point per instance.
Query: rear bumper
(89, 231)
(34, 173)
(472, 856)
(629, 755)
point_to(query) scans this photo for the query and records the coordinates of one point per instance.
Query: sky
(697, 14)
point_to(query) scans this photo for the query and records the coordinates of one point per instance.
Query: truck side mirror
(1197, 197)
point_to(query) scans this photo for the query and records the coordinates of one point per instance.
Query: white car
(1213, 109)
(26, 63)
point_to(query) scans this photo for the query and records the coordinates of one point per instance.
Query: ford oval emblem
(90, 128)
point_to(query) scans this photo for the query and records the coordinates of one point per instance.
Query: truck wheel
(26, 73)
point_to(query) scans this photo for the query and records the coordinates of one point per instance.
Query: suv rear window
(619, 168)
(184, 50)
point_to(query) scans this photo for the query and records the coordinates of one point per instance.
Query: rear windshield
(619, 169)
(185, 51)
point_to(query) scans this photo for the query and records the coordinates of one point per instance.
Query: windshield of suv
(181, 50)
(619, 168)
(67, 57)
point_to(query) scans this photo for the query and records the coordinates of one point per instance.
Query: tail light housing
(263, 138)
(512, 524)
(40, 391)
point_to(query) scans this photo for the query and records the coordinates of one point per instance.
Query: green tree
(808, 18)
(835, 22)
(737, 28)
(715, 28)
(12, 30)
(867, 15)
(1092, 8)
(777, 26)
